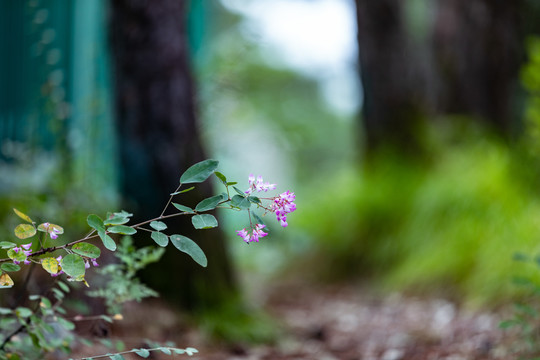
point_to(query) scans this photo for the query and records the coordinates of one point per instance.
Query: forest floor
(327, 323)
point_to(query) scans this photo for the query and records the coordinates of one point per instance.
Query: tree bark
(392, 106)
(159, 139)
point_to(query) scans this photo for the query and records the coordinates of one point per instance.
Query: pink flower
(283, 205)
(258, 185)
(254, 235)
(94, 262)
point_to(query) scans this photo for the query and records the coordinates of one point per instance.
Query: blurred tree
(479, 49)
(392, 106)
(160, 138)
(474, 55)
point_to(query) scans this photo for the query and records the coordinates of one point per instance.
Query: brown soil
(335, 323)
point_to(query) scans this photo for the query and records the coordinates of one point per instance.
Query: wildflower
(283, 205)
(254, 235)
(54, 233)
(94, 262)
(258, 184)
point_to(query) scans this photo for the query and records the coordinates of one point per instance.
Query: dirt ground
(327, 323)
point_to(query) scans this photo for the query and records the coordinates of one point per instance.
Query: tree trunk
(392, 106)
(159, 139)
(478, 49)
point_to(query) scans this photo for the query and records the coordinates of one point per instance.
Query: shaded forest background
(427, 182)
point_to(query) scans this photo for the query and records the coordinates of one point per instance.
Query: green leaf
(199, 172)
(160, 238)
(95, 222)
(259, 220)
(73, 265)
(205, 221)
(7, 245)
(23, 312)
(116, 220)
(183, 208)
(165, 350)
(86, 249)
(232, 183)
(108, 242)
(22, 215)
(142, 352)
(158, 225)
(68, 325)
(240, 202)
(221, 177)
(24, 231)
(240, 192)
(63, 286)
(17, 256)
(190, 351)
(5, 311)
(122, 229)
(254, 200)
(186, 190)
(10, 267)
(209, 204)
(191, 248)
(116, 357)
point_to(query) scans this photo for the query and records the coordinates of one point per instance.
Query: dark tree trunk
(159, 139)
(478, 49)
(392, 106)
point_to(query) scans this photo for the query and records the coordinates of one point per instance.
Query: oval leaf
(22, 215)
(158, 225)
(122, 229)
(199, 172)
(108, 242)
(142, 352)
(17, 256)
(6, 281)
(209, 204)
(86, 249)
(24, 231)
(50, 265)
(221, 177)
(7, 245)
(191, 248)
(205, 221)
(183, 208)
(240, 202)
(160, 238)
(95, 222)
(10, 267)
(73, 265)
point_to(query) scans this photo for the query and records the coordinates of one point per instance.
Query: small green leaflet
(86, 249)
(209, 204)
(7, 245)
(160, 238)
(10, 267)
(240, 202)
(122, 229)
(142, 352)
(50, 265)
(73, 265)
(108, 242)
(221, 177)
(259, 220)
(199, 172)
(240, 192)
(183, 208)
(191, 248)
(165, 350)
(205, 221)
(95, 222)
(158, 225)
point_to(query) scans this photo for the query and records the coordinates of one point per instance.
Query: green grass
(448, 226)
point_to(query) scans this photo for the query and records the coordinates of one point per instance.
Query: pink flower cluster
(26, 251)
(255, 234)
(258, 185)
(281, 206)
